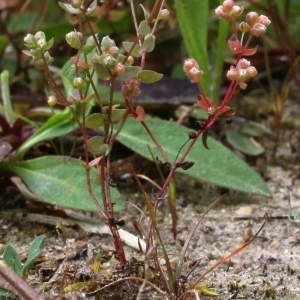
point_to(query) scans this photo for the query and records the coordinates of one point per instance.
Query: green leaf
(48, 45)
(94, 121)
(57, 125)
(147, 76)
(144, 28)
(297, 217)
(193, 20)
(217, 165)
(252, 128)
(146, 13)
(101, 71)
(117, 115)
(60, 181)
(33, 253)
(221, 48)
(137, 50)
(130, 72)
(107, 43)
(95, 145)
(4, 292)
(69, 8)
(204, 290)
(3, 42)
(92, 7)
(243, 143)
(11, 258)
(149, 44)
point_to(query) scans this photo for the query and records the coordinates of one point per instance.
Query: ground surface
(268, 268)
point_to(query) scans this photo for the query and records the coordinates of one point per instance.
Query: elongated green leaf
(11, 258)
(193, 20)
(60, 181)
(243, 143)
(4, 292)
(220, 53)
(217, 165)
(148, 76)
(33, 253)
(57, 125)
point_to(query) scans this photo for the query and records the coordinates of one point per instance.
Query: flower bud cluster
(256, 24)
(38, 49)
(192, 70)
(110, 54)
(228, 11)
(132, 88)
(242, 72)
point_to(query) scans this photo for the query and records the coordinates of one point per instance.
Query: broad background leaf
(192, 16)
(218, 165)
(243, 143)
(60, 181)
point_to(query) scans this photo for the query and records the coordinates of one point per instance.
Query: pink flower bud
(131, 89)
(192, 70)
(258, 29)
(236, 11)
(228, 5)
(251, 18)
(242, 85)
(232, 73)
(140, 114)
(251, 71)
(194, 74)
(264, 20)
(221, 14)
(189, 64)
(243, 64)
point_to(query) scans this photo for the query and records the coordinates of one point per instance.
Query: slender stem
(18, 284)
(134, 17)
(156, 20)
(161, 150)
(157, 6)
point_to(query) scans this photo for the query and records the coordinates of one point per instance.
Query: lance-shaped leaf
(61, 181)
(218, 165)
